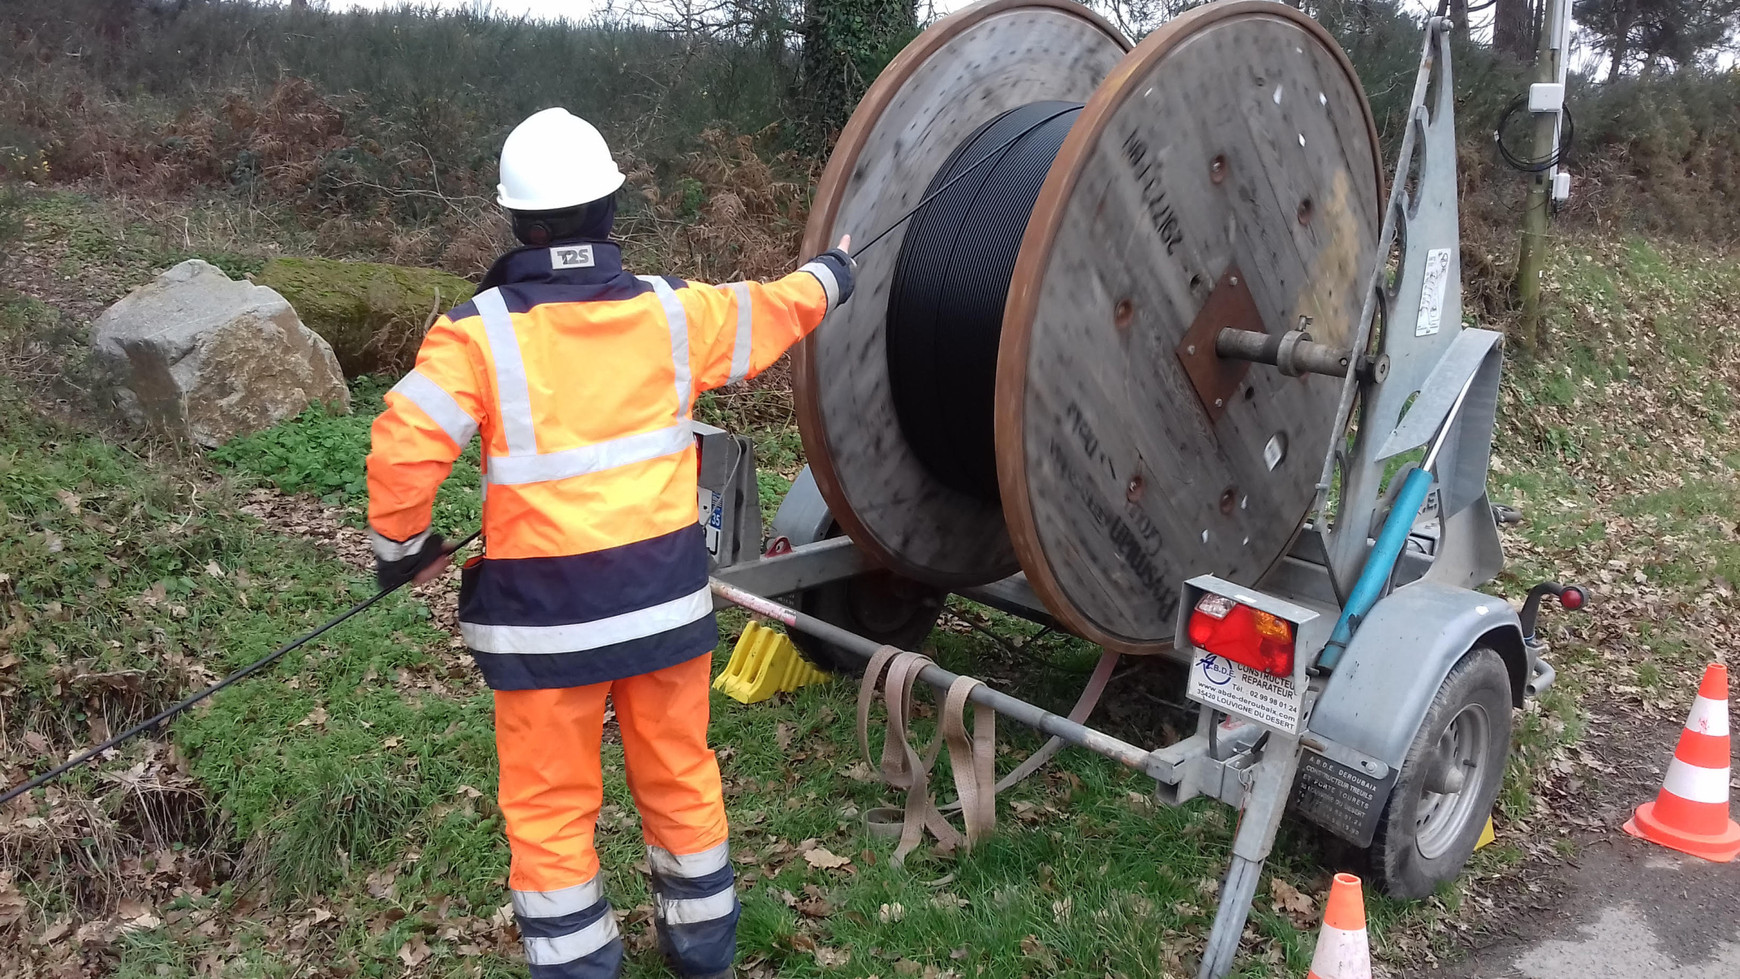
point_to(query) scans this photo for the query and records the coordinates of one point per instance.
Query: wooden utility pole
(1532, 258)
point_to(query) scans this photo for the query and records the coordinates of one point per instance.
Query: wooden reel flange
(1225, 173)
(965, 70)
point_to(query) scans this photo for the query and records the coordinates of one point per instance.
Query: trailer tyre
(1449, 780)
(878, 605)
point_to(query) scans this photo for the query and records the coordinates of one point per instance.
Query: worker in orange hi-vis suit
(579, 377)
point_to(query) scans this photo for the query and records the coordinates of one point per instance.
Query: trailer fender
(877, 604)
(1378, 694)
(803, 516)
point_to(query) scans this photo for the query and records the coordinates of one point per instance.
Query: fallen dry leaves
(822, 858)
(1292, 902)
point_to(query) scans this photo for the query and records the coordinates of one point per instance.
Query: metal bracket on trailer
(1243, 765)
(803, 567)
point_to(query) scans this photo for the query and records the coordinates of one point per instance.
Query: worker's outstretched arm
(738, 330)
(431, 415)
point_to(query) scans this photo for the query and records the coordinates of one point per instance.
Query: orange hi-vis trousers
(552, 786)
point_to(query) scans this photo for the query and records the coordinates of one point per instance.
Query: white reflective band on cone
(1709, 717)
(1341, 955)
(1695, 784)
(574, 945)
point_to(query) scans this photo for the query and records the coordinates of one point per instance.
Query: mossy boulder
(372, 314)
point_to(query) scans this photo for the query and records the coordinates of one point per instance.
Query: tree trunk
(1621, 52)
(1513, 24)
(846, 42)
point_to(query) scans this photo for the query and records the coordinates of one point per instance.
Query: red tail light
(1243, 634)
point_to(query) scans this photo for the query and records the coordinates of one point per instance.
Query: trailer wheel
(1449, 780)
(879, 605)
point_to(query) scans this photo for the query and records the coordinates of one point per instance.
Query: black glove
(392, 574)
(845, 269)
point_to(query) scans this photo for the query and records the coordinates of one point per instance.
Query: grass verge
(336, 816)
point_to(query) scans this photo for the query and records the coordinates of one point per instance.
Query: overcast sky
(579, 9)
(537, 8)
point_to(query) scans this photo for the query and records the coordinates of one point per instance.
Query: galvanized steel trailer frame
(1425, 379)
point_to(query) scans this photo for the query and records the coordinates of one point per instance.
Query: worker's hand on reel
(838, 260)
(422, 567)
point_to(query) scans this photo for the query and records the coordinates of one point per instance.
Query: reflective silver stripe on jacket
(510, 373)
(593, 458)
(387, 549)
(574, 945)
(689, 865)
(825, 276)
(557, 903)
(745, 342)
(578, 636)
(440, 406)
(524, 463)
(678, 320)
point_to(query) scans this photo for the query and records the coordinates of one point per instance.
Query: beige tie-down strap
(972, 755)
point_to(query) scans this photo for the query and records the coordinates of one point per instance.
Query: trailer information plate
(1432, 293)
(1238, 689)
(1342, 800)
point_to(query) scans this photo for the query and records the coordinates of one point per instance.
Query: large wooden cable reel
(1224, 173)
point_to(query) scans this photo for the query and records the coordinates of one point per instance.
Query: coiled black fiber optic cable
(951, 280)
(1560, 154)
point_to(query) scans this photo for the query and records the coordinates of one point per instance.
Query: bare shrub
(736, 211)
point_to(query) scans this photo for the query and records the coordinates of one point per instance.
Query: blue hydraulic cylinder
(1378, 564)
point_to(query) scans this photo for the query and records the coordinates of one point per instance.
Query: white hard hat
(555, 160)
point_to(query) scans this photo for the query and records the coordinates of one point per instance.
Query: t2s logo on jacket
(571, 257)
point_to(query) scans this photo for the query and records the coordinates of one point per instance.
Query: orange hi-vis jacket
(580, 378)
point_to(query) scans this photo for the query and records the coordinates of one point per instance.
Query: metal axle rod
(1293, 352)
(1019, 710)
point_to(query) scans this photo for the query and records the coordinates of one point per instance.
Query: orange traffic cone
(1690, 814)
(1342, 949)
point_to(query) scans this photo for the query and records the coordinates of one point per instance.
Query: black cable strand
(241, 674)
(933, 195)
(1561, 153)
(950, 284)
